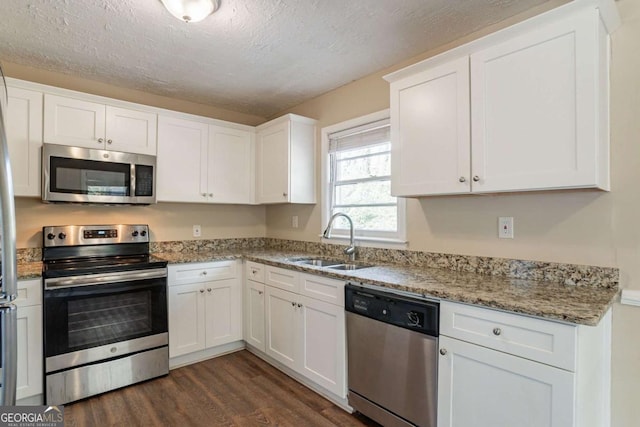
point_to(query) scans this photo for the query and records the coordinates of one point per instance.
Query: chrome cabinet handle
(109, 141)
(497, 331)
(443, 351)
(462, 179)
(100, 140)
(202, 291)
(476, 178)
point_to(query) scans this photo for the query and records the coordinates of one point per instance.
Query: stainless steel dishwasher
(392, 345)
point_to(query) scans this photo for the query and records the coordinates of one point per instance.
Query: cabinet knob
(299, 305)
(204, 273)
(497, 331)
(293, 304)
(109, 141)
(100, 140)
(259, 292)
(210, 194)
(202, 291)
(204, 194)
(476, 178)
(462, 179)
(443, 351)
(284, 194)
(208, 289)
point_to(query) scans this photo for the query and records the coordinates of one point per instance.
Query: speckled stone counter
(564, 292)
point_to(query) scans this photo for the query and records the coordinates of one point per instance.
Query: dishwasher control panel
(399, 310)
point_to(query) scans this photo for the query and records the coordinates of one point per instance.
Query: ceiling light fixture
(191, 10)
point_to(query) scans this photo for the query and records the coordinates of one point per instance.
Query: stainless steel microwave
(85, 175)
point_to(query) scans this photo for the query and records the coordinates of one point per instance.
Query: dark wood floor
(238, 389)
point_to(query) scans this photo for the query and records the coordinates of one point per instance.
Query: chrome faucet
(351, 249)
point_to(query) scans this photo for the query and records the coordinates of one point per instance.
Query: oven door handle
(101, 279)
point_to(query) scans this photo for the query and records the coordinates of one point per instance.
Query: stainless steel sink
(319, 262)
(348, 266)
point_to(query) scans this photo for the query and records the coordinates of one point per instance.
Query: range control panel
(79, 235)
(410, 313)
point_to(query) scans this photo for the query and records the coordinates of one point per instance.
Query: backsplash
(568, 274)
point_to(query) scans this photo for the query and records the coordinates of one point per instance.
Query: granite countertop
(555, 301)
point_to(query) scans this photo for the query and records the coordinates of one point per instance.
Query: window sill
(369, 242)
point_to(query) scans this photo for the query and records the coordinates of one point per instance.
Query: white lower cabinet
(499, 369)
(205, 306)
(304, 333)
(29, 343)
(486, 388)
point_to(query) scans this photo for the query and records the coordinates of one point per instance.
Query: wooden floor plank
(237, 389)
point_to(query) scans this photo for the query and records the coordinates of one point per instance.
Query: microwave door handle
(132, 180)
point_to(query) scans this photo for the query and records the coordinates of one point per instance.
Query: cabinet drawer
(254, 271)
(281, 278)
(29, 293)
(322, 288)
(540, 340)
(202, 272)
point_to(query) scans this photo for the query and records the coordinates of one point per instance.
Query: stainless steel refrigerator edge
(8, 314)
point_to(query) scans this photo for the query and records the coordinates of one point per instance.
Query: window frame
(364, 237)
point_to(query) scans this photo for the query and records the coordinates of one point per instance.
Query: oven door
(97, 317)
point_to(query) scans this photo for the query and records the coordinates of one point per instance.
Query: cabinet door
(182, 160)
(223, 310)
(430, 128)
(69, 121)
(230, 166)
(272, 168)
(323, 356)
(30, 355)
(186, 319)
(254, 315)
(535, 111)
(24, 135)
(282, 326)
(131, 131)
(481, 387)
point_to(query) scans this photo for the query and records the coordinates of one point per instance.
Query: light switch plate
(197, 231)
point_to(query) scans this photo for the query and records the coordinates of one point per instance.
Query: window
(358, 180)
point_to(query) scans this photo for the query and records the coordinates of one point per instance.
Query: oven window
(90, 177)
(93, 321)
(83, 317)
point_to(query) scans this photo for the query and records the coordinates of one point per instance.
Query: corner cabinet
(24, 137)
(205, 306)
(203, 163)
(82, 123)
(538, 100)
(499, 370)
(285, 160)
(303, 328)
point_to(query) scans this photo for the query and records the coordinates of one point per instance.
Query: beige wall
(68, 81)
(167, 221)
(585, 227)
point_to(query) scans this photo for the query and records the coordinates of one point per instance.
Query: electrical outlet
(294, 221)
(197, 231)
(505, 227)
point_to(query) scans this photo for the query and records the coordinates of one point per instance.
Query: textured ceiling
(252, 56)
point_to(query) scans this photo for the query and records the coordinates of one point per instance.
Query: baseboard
(38, 399)
(209, 353)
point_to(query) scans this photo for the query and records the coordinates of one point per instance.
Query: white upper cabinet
(80, 123)
(431, 131)
(538, 97)
(230, 174)
(182, 160)
(24, 135)
(203, 163)
(285, 160)
(535, 109)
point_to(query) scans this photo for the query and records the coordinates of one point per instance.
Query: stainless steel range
(105, 310)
